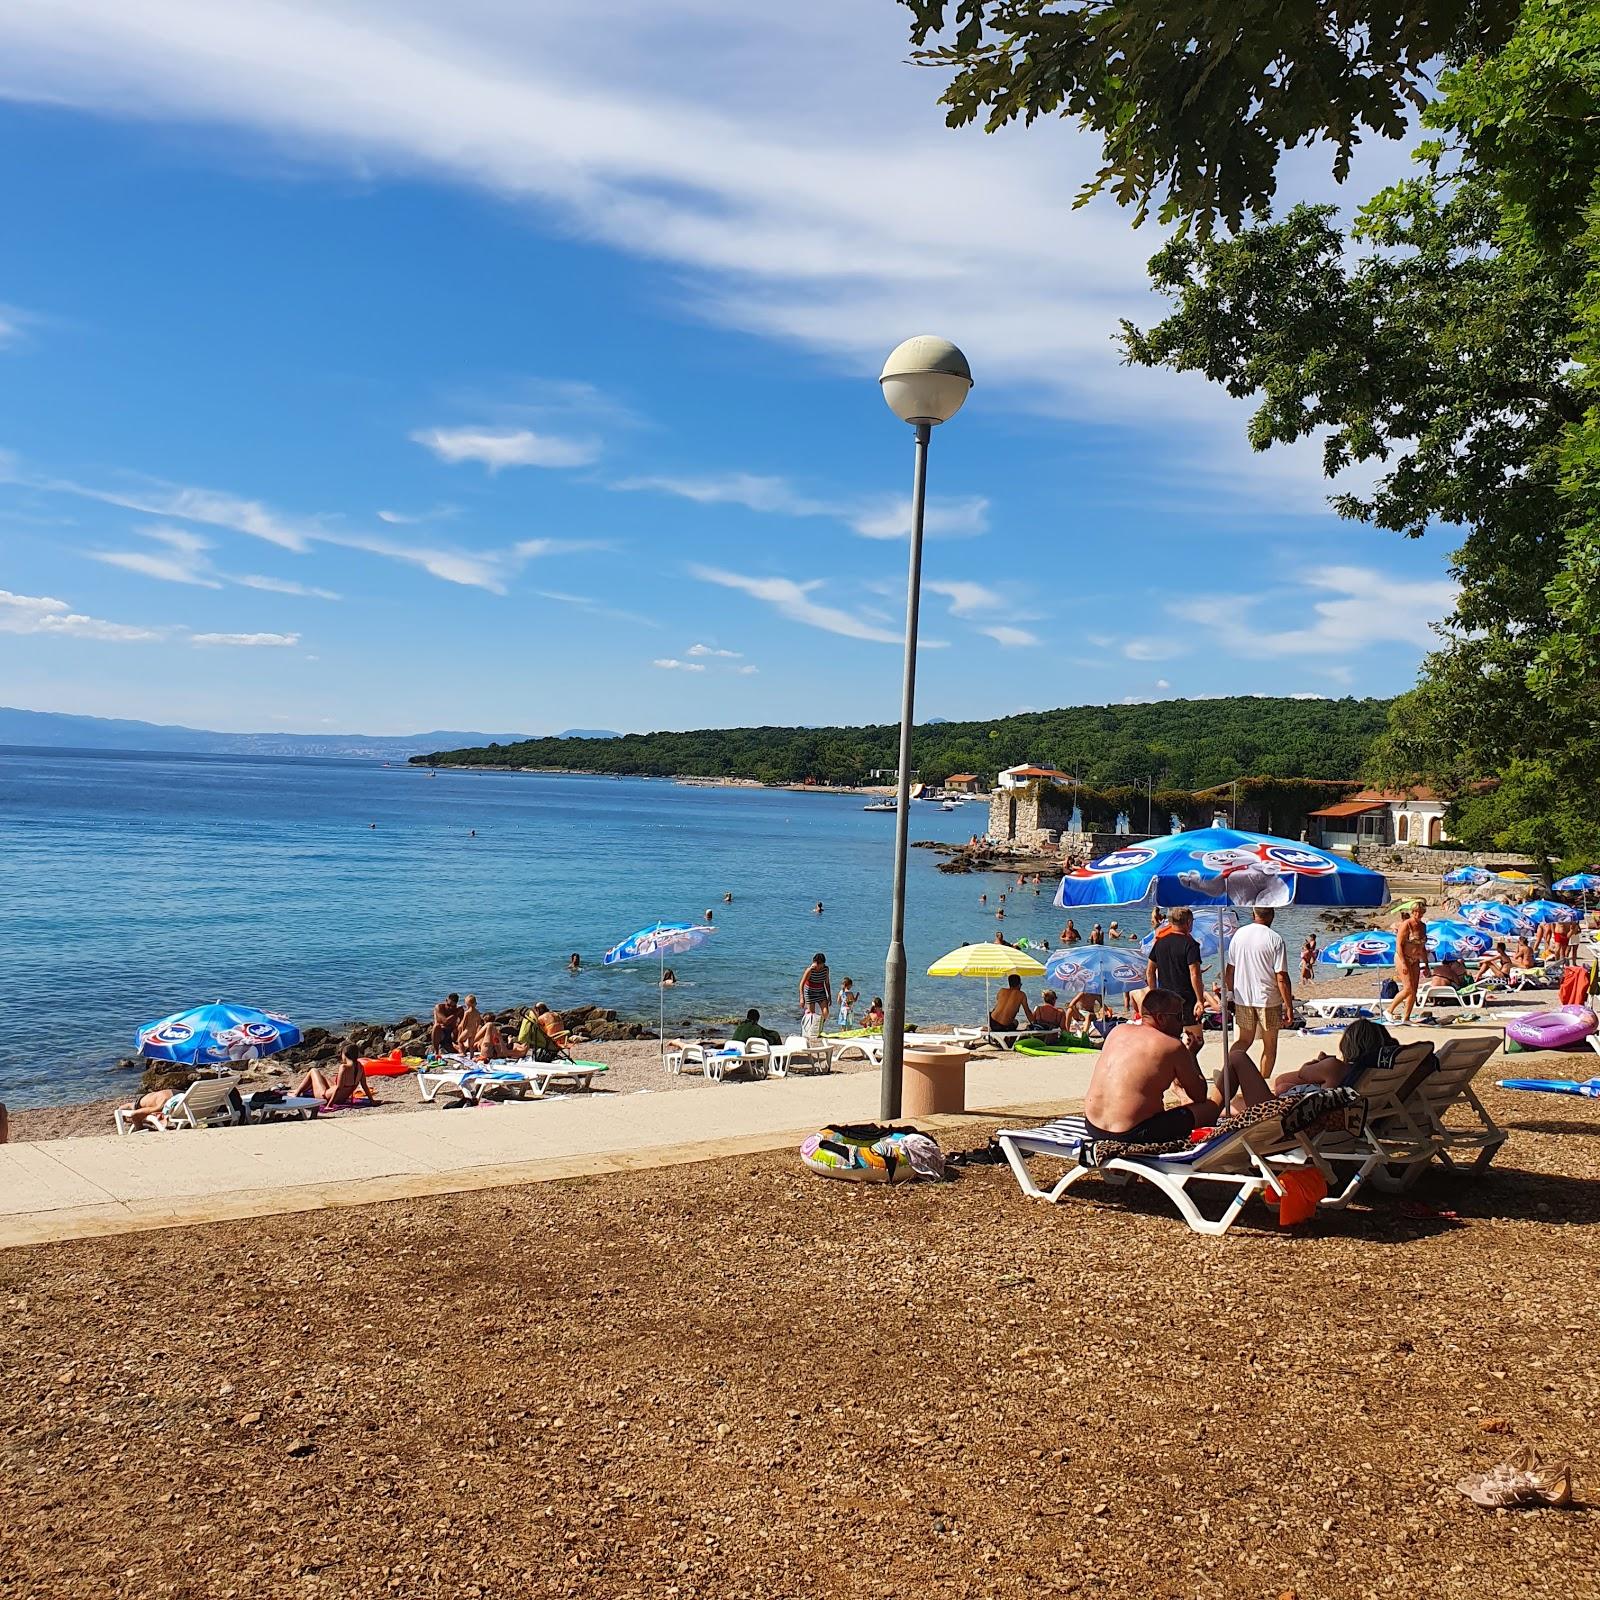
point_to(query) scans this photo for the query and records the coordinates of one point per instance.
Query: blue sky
(512, 366)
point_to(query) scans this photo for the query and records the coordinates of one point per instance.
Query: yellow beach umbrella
(1513, 876)
(986, 961)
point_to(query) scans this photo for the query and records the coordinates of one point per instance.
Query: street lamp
(924, 381)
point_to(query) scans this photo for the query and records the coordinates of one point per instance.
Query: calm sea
(135, 885)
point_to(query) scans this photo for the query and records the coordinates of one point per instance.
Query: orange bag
(1304, 1188)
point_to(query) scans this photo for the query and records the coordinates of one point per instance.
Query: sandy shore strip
(635, 1067)
(742, 1380)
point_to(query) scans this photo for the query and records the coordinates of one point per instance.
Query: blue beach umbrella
(1493, 916)
(1471, 875)
(663, 940)
(1222, 867)
(1095, 969)
(1447, 941)
(1541, 912)
(1578, 883)
(211, 1035)
(1206, 932)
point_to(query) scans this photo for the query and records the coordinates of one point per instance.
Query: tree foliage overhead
(1451, 340)
(1186, 744)
(1195, 101)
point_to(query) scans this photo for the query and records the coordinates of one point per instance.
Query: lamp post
(924, 381)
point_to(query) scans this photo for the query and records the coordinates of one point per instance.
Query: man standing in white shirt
(1258, 979)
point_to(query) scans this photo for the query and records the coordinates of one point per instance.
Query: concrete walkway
(82, 1188)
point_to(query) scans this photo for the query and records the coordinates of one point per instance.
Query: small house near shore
(1021, 776)
(1378, 817)
(964, 783)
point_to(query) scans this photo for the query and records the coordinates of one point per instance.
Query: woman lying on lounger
(1361, 1046)
(338, 1089)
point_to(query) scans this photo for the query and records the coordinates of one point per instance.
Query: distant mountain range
(55, 730)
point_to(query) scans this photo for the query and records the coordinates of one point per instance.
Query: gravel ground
(738, 1379)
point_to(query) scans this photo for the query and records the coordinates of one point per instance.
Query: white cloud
(1366, 607)
(793, 600)
(747, 671)
(1161, 683)
(410, 519)
(512, 447)
(254, 580)
(183, 558)
(952, 519)
(1152, 649)
(966, 599)
(875, 517)
(248, 641)
(672, 664)
(711, 650)
(41, 614)
(1010, 637)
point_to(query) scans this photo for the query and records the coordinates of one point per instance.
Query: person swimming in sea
(575, 963)
(668, 978)
(818, 911)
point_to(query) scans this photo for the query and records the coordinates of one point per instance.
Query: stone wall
(1416, 861)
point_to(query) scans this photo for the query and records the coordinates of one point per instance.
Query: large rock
(168, 1076)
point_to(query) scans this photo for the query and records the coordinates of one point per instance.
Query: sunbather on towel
(147, 1109)
(491, 1042)
(1140, 1062)
(338, 1088)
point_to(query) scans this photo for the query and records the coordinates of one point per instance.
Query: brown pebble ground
(741, 1380)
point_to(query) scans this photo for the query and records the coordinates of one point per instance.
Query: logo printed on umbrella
(169, 1033)
(1135, 855)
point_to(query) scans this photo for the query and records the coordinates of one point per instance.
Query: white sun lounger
(797, 1051)
(526, 1079)
(205, 1100)
(716, 1059)
(1240, 1161)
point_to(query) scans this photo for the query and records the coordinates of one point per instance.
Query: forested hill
(1185, 744)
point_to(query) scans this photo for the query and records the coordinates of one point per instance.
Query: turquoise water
(136, 885)
(139, 884)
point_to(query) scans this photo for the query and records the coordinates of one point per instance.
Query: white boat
(949, 805)
(881, 805)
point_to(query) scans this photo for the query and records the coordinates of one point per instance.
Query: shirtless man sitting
(1140, 1062)
(1010, 1000)
(442, 1035)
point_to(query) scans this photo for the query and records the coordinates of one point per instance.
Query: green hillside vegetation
(1183, 744)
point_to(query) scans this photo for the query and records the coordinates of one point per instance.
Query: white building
(1021, 777)
(1378, 817)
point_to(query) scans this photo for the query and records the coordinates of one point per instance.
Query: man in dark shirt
(751, 1028)
(1174, 965)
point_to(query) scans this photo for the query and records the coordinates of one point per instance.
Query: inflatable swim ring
(1553, 1030)
(1072, 1044)
(866, 1153)
(393, 1065)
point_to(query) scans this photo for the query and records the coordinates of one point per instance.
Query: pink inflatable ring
(1554, 1030)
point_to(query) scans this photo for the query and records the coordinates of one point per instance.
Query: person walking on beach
(1257, 977)
(816, 995)
(1410, 960)
(1308, 957)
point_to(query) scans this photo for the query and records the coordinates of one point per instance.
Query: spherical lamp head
(926, 379)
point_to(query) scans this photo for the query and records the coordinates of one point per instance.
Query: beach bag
(1388, 989)
(811, 1025)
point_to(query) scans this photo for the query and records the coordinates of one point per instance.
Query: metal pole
(894, 967)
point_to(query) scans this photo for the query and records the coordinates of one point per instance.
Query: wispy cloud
(498, 449)
(966, 599)
(711, 650)
(412, 519)
(873, 517)
(42, 614)
(1153, 649)
(951, 519)
(183, 556)
(794, 601)
(1011, 638)
(672, 664)
(1361, 606)
(247, 641)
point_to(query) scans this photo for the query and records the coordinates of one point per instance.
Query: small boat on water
(949, 805)
(881, 805)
